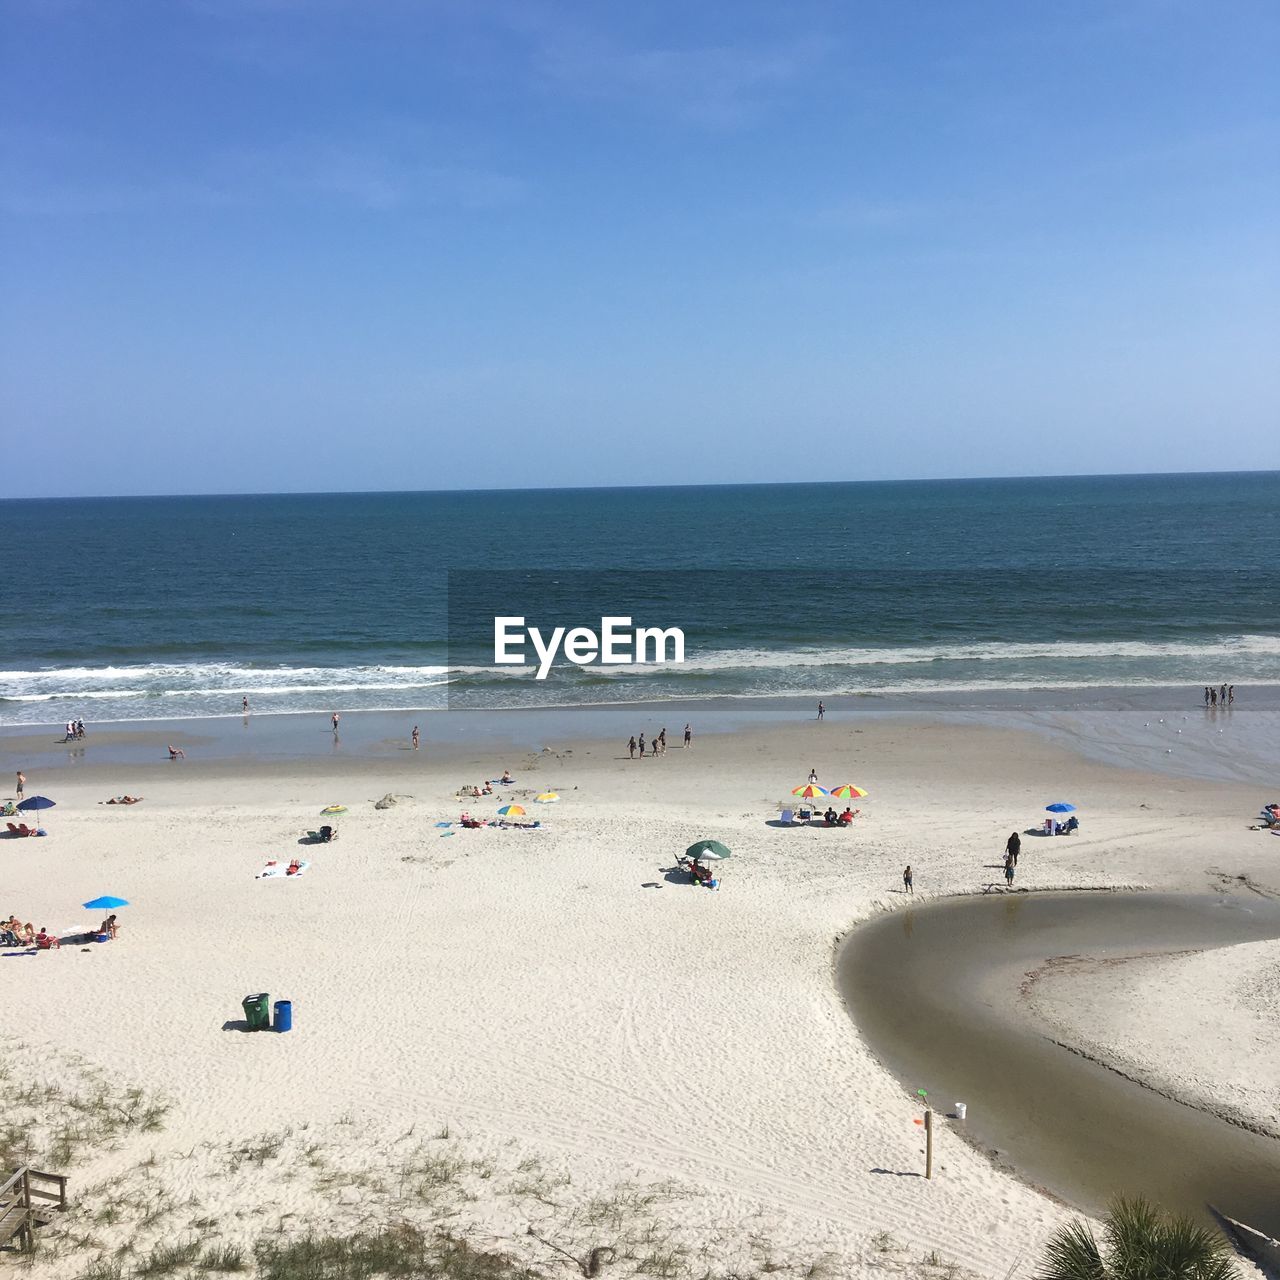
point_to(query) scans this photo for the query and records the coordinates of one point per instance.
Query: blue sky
(256, 245)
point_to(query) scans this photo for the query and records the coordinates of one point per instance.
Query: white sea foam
(200, 689)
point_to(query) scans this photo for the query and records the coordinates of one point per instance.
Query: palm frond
(1072, 1254)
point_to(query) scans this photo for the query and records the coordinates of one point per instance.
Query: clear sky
(255, 245)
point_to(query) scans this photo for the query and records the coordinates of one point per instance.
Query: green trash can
(257, 1011)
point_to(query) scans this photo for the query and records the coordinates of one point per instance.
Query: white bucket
(961, 1108)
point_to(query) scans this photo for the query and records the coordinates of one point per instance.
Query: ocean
(158, 608)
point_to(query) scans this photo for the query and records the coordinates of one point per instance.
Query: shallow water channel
(934, 991)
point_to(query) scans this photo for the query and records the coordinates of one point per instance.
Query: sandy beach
(552, 1030)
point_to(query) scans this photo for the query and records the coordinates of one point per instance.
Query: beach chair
(788, 818)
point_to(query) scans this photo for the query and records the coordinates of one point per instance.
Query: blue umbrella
(1060, 807)
(105, 904)
(32, 803)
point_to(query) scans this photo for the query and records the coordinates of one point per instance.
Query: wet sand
(935, 991)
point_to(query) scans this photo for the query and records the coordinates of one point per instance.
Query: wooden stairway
(29, 1199)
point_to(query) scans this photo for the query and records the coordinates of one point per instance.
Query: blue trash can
(283, 1016)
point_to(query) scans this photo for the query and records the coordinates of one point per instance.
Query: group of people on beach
(1223, 697)
(657, 745)
(74, 731)
(14, 933)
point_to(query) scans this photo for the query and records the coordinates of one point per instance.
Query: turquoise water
(178, 607)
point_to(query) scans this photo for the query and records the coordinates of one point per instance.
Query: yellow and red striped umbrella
(810, 791)
(849, 792)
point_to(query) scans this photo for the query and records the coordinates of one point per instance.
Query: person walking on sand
(1008, 870)
(908, 882)
(813, 777)
(22, 783)
(822, 710)
(1231, 695)
(642, 746)
(334, 720)
(662, 737)
(1222, 697)
(1213, 697)
(1013, 847)
(631, 746)
(415, 736)
(1206, 695)
(688, 736)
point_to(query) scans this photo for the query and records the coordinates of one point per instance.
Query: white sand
(525, 990)
(1202, 1027)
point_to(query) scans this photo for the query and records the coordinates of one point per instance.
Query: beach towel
(275, 869)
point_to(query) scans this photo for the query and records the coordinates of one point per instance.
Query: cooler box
(284, 1015)
(257, 1011)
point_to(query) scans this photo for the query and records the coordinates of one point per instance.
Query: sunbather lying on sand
(121, 800)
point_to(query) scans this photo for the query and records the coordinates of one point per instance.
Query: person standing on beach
(813, 777)
(1222, 697)
(908, 882)
(822, 710)
(1213, 697)
(1206, 695)
(244, 706)
(335, 718)
(22, 783)
(1008, 869)
(1231, 695)
(631, 746)
(642, 746)
(662, 737)
(414, 736)
(688, 736)
(1013, 847)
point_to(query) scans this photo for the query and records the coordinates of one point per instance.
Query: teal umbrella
(107, 903)
(707, 851)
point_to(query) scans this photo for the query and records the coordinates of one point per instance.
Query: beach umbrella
(707, 851)
(849, 792)
(32, 803)
(1060, 806)
(810, 791)
(547, 797)
(106, 903)
(511, 811)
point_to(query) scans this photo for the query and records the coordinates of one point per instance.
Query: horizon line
(605, 488)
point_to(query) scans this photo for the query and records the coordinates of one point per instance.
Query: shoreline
(527, 986)
(1157, 729)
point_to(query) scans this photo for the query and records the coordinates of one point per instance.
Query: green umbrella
(706, 851)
